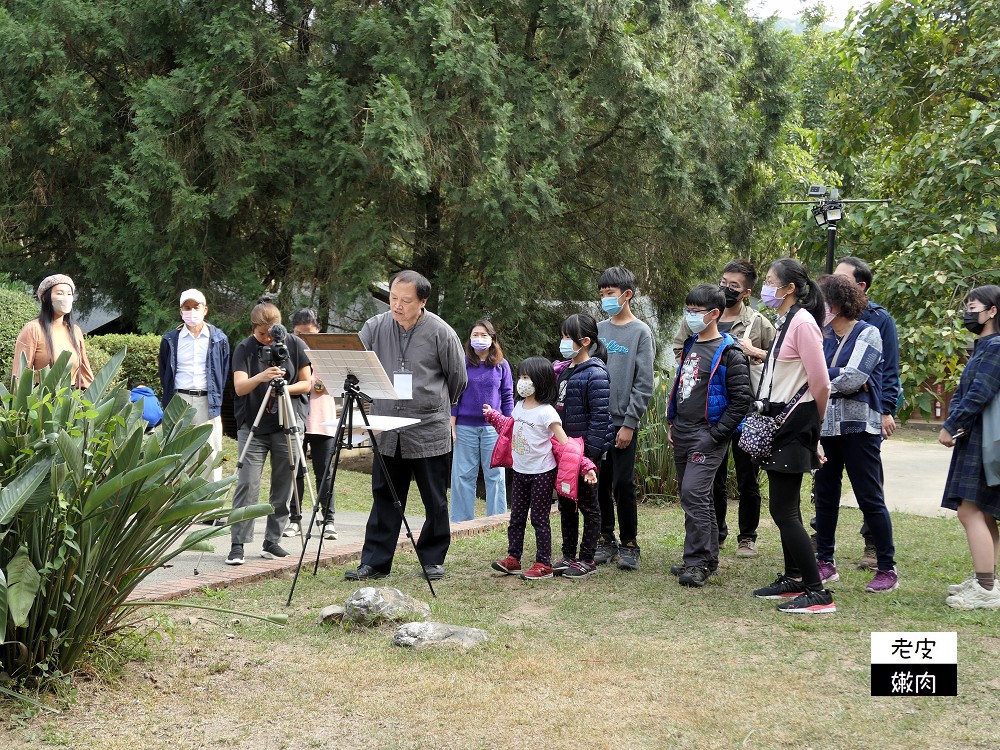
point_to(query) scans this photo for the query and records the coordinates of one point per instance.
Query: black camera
(767, 408)
(276, 353)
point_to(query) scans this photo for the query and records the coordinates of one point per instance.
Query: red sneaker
(509, 565)
(538, 570)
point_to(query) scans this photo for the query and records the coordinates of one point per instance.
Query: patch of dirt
(529, 612)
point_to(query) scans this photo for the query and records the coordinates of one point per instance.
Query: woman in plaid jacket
(977, 503)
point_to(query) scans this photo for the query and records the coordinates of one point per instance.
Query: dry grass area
(616, 660)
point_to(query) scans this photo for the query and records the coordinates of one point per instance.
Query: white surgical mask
(525, 388)
(192, 317)
(62, 304)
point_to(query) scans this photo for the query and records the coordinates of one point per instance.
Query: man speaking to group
(423, 356)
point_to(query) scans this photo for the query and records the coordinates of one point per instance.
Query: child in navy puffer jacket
(584, 405)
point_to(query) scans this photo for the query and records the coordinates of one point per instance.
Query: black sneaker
(810, 603)
(782, 588)
(272, 551)
(235, 555)
(694, 576)
(559, 566)
(679, 570)
(628, 556)
(579, 569)
(607, 551)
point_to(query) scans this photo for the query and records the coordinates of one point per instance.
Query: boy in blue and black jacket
(710, 398)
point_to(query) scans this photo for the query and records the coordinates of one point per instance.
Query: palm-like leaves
(88, 508)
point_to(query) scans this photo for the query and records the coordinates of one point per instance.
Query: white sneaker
(329, 531)
(958, 588)
(291, 529)
(975, 597)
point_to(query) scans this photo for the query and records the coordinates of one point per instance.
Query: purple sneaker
(884, 580)
(827, 571)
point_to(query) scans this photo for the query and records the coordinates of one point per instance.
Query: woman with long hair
(794, 371)
(54, 331)
(490, 382)
(967, 490)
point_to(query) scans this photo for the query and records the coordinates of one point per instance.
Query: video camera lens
(276, 353)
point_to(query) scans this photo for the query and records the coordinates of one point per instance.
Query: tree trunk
(428, 253)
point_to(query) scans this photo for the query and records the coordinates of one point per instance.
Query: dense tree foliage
(507, 150)
(922, 118)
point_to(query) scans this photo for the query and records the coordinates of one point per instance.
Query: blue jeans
(474, 447)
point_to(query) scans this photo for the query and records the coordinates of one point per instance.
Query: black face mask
(972, 324)
(732, 296)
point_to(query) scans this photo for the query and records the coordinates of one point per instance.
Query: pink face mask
(192, 318)
(829, 316)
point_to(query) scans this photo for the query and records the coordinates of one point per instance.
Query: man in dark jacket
(710, 397)
(861, 274)
(194, 365)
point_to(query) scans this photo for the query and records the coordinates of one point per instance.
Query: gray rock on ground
(370, 605)
(331, 614)
(426, 634)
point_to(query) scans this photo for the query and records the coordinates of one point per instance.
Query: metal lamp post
(828, 209)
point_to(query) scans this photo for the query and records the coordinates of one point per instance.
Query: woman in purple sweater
(490, 382)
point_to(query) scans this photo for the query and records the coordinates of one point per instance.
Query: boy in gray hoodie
(631, 352)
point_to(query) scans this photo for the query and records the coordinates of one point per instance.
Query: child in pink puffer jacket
(533, 442)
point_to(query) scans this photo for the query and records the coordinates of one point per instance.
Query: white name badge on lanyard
(402, 381)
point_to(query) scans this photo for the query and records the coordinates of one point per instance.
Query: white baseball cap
(193, 294)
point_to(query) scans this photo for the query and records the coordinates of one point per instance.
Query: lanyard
(402, 351)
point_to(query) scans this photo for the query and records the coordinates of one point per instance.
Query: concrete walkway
(915, 475)
(179, 580)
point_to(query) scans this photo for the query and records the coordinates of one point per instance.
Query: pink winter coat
(571, 463)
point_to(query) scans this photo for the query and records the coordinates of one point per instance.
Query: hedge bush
(140, 363)
(16, 309)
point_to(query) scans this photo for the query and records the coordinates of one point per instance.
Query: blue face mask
(566, 349)
(696, 321)
(610, 304)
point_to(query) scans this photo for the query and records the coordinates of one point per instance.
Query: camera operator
(257, 361)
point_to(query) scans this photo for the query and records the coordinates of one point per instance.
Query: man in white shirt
(193, 364)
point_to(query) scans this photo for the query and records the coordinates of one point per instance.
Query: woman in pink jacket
(532, 428)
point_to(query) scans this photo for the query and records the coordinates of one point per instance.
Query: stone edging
(341, 554)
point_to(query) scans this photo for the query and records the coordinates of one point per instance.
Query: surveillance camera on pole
(828, 209)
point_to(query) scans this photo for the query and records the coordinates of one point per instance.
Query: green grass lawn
(616, 660)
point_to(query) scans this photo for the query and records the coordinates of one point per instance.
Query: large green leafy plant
(89, 507)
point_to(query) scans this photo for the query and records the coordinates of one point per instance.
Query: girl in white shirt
(535, 423)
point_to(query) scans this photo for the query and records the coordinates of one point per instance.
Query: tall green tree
(509, 150)
(923, 119)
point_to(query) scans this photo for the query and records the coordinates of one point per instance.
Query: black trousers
(616, 485)
(860, 454)
(748, 483)
(586, 505)
(785, 506)
(384, 522)
(322, 449)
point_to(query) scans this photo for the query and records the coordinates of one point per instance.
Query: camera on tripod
(275, 354)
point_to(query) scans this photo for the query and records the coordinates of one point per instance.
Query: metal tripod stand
(345, 427)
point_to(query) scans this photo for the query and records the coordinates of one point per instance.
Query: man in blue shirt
(861, 274)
